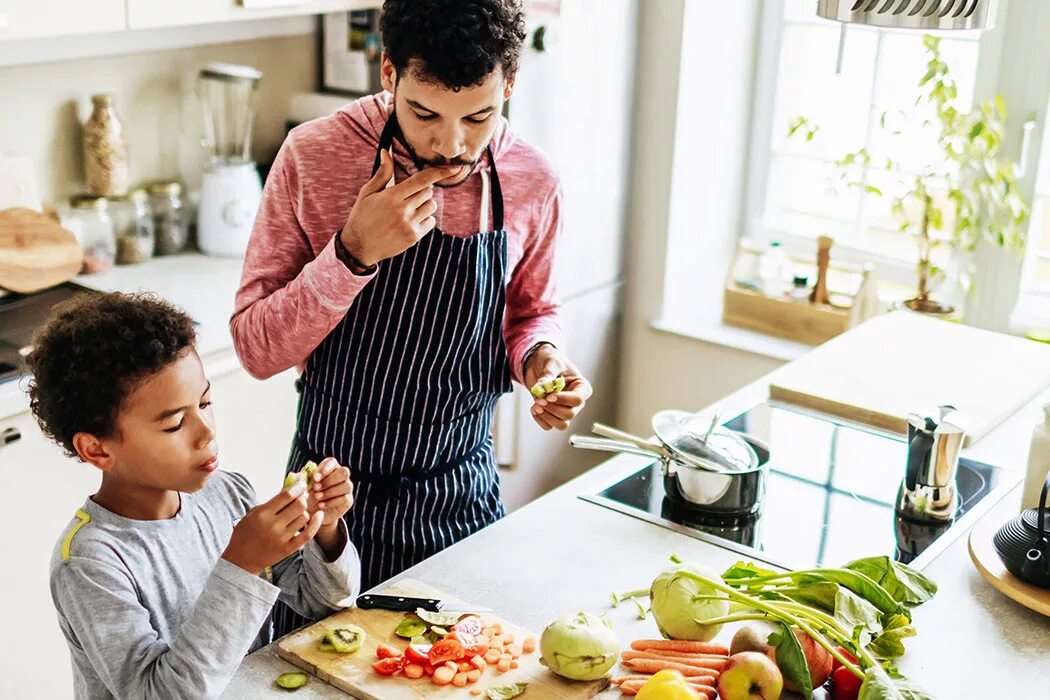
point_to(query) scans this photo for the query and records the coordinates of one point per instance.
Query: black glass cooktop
(830, 496)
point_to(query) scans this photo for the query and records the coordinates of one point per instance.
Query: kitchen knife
(373, 601)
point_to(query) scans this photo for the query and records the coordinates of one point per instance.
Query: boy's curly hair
(91, 354)
(458, 43)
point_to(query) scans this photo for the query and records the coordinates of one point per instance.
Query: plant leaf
(745, 570)
(506, 692)
(904, 583)
(879, 686)
(853, 612)
(860, 584)
(889, 643)
(820, 595)
(792, 660)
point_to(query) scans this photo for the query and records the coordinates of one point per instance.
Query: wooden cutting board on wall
(353, 672)
(902, 362)
(35, 251)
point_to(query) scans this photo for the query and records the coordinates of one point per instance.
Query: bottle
(96, 234)
(772, 270)
(170, 222)
(105, 150)
(800, 288)
(1038, 462)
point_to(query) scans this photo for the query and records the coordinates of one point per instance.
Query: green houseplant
(972, 196)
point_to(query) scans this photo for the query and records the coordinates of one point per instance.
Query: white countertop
(203, 286)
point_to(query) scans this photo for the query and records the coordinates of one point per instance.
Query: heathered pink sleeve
(290, 298)
(532, 300)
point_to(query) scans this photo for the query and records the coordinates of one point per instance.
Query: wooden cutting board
(35, 251)
(896, 363)
(353, 672)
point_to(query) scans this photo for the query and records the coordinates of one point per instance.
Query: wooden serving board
(353, 672)
(987, 561)
(902, 362)
(35, 251)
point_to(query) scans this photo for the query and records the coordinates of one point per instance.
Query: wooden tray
(353, 673)
(987, 561)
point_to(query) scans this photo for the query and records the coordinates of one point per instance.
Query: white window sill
(717, 333)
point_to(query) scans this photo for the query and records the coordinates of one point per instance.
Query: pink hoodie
(294, 290)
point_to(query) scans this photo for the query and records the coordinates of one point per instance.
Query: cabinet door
(25, 19)
(255, 422)
(40, 490)
(165, 13)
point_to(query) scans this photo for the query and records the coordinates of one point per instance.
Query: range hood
(924, 15)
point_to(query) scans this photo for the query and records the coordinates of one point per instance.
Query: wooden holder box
(792, 319)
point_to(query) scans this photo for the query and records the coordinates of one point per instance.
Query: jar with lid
(105, 150)
(96, 234)
(133, 222)
(170, 222)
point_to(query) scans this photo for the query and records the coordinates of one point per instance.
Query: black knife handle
(372, 601)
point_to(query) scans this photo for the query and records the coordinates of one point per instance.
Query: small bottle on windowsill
(799, 288)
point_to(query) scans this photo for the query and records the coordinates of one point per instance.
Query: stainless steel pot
(728, 493)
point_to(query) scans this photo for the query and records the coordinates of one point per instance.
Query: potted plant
(969, 201)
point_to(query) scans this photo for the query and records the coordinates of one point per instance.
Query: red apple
(750, 676)
(817, 658)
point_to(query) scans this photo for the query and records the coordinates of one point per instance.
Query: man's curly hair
(92, 353)
(457, 43)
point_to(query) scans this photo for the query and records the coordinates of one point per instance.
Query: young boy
(166, 575)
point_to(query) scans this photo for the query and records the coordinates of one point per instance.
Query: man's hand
(554, 411)
(385, 222)
(272, 531)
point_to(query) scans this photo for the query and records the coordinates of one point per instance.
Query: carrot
(715, 663)
(654, 666)
(464, 666)
(475, 691)
(508, 639)
(478, 662)
(413, 670)
(529, 645)
(680, 654)
(504, 665)
(460, 680)
(497, 627)
(496, 641)
(514, 650)
(443, 675)
(630, 677)
(679, 645)
(473, 676)
(514, 663)
(492, 656)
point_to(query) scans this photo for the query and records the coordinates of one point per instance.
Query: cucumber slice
(345, 640)
(291, 681)
(410, 627)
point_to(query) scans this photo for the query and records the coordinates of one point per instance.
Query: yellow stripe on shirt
(84, 520)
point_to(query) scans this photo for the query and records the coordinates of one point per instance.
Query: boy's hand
(331, 492)
(272, 531)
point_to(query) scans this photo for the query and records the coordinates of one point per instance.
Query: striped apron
(403, 392)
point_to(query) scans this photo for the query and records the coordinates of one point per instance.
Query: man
(411, 315)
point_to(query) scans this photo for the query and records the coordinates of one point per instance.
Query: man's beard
(422, 163)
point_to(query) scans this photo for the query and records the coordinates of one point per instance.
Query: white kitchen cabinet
(32, 19)
(40, 490)
(144, 14)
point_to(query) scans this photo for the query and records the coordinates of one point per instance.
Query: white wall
(43, 104)
(692, 88)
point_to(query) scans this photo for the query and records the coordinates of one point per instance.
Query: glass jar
(105, 150)
(97, 238)
(170, 222)
(133, 222)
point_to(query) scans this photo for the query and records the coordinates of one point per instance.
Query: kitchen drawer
(25, 19)
(165, 13)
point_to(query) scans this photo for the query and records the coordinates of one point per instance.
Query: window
(1038, 270)
(802, 195)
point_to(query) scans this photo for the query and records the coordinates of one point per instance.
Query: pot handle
(621, 436)
(587, 442)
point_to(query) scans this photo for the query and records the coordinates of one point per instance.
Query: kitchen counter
(203, 286)
(560, 554)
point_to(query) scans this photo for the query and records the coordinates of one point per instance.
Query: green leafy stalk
(618, 598)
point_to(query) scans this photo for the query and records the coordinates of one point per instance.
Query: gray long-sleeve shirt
(151, 610)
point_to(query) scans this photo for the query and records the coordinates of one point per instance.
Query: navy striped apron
(403, 391)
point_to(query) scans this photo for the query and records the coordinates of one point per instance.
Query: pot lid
(722, 450)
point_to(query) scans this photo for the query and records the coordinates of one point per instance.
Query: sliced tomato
(445, 650)
(418, 654)
(475, 650)
(386, 651)
(388, 666)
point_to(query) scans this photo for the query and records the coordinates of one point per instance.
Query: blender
(231, 188)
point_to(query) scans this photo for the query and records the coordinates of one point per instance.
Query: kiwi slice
(291, 681)
(410, 627)
(551, 385)
(290, 480)
(345, 640)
